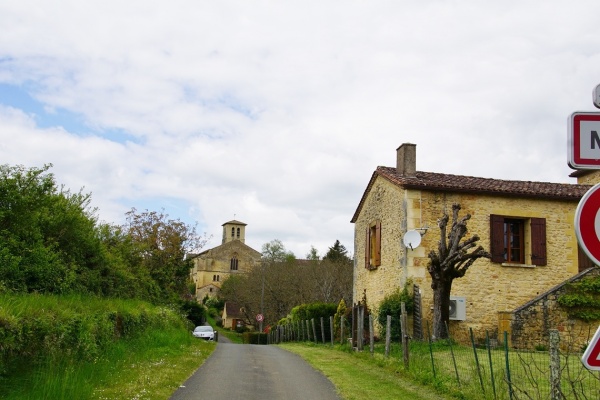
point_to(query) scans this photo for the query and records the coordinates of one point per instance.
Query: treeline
(282, 282)
(51, 242)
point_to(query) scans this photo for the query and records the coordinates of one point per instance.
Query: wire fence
(483, 369)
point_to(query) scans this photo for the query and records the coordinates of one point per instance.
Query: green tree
(337, 253)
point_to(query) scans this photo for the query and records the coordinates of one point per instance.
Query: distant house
(526, 226)
(232, 316)
(233, 256)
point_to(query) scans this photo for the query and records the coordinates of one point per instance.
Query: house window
(238, 233)
(232, 232)
(373, 246)
(233, 263)
(517, 240)
(215, 278)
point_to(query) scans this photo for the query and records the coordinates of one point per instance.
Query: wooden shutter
(497, 238)
(377, 260)
(538, 241)
(583, 260)
(368, 249)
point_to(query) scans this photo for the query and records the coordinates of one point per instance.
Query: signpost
(584, 153)
(584, 140)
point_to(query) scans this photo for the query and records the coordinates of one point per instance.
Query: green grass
(360, 376)
(77, 347)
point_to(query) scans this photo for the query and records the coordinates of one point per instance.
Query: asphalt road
(255, 372)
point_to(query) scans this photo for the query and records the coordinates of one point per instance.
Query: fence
(485, 369)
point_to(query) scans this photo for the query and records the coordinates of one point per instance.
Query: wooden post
(555, 393)
(360, 328)
(371, 335)
(331, 328)
(307, 330)
(404, 326)
(342, 329)
(314, 329)
(388, 335)
(322, 330)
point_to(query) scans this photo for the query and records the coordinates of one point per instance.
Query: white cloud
(278, 112)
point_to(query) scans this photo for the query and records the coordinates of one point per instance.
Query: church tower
(234, 230)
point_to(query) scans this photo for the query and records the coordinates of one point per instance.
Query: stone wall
(531, 322)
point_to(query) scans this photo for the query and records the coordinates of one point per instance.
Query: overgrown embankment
(77, 346)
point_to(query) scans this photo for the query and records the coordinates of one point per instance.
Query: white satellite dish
(412, 239)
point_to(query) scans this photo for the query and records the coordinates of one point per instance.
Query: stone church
(233, 256)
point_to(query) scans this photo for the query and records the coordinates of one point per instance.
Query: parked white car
(204, 332)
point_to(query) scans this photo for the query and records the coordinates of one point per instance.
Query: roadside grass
(69, 347)
(360, 376)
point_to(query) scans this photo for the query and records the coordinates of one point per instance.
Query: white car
(204, 332)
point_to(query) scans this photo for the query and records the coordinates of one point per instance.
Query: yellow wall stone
(490, 288)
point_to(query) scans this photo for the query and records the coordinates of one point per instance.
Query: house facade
(233, 256)
(526, 226)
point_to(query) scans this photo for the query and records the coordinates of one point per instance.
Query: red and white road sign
(587, 223)
(584, 140)
(259, 317)
(591, 356)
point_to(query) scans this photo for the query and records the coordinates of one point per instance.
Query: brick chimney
(406, 159)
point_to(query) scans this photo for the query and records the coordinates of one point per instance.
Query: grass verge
(359, 376)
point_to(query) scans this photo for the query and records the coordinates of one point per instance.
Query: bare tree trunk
(441, 313)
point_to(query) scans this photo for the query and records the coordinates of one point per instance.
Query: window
(238, 233)
(517, 240)
(215, 278)
(233, 263)
(232, 232)
(373, 246)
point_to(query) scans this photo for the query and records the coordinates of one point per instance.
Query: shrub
(391, 305)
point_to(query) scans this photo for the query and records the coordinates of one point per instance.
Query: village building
(527, 227)
(232, 256)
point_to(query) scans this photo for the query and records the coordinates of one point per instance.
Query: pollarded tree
(451, 261)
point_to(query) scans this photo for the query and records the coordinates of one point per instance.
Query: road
(255, 372)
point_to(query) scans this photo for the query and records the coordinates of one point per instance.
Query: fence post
(476, 360)
(371, 335)
(312, 321)
(388, 335)
(342, 329)
(489, 349)
(556, 393)
(453, 357)
(307, 330)
(322, 330)
(360, 328)
(404, 326)
(510, 388)
(331, 328)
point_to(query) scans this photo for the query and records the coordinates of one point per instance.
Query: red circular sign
(587, 223)
(259, 317)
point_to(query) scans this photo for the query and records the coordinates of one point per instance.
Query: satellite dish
(412, 239)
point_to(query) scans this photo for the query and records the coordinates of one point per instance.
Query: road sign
(584, 140)
(596, 96)
(591, 356)
(587, 223)
(259, 317)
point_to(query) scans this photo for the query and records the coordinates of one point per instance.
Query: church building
(233, 256)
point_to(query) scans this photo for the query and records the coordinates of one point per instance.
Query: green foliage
(313, 310)
(342, 311)
(254, 338)
(392, 305)
(582, 299)
(337, 253)
(194, 311)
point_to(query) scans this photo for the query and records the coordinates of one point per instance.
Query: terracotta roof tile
(469, 184)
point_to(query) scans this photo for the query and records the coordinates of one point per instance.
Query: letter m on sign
(591, 356)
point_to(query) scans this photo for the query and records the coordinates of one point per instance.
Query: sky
(276, 113)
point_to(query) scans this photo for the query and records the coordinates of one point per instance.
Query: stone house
(233, 256)
(232, 316)
(526, 226)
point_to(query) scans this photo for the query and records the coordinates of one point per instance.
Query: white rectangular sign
(584, 140)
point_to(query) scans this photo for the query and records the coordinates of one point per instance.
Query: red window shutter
(368, 249)
(377, 261)
(497, 238)
(538, 241)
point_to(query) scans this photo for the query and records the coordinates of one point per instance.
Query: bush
(391, 305)
(254, 338)
(194, 311)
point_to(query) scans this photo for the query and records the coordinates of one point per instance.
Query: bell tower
(234, 230)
